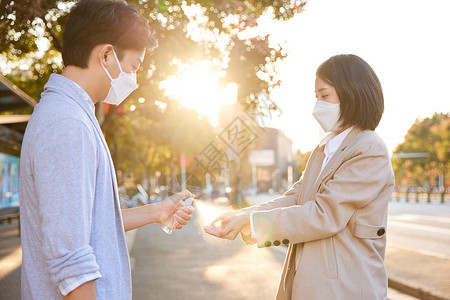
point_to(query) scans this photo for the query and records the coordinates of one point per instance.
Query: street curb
(405, 288)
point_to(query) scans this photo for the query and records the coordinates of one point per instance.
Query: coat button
(276, 243)
(285, 241)
(381, 231)
(267, 244)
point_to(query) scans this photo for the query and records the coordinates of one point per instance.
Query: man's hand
(173, 206)
(228, 225)
(159, 212)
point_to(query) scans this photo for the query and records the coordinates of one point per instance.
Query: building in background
(267, 164)
(13, 102)
(272, 161)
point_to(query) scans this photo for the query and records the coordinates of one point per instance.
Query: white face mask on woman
(121, 87)
(327, 114)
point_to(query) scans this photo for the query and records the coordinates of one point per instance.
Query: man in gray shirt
(73, 239)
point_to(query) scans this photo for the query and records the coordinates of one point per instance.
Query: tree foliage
(301, 160)
(23, 25)
(429, 135)
(151, 138)
(189, 31)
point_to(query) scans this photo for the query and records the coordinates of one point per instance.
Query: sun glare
(207, 212)
(197, 86)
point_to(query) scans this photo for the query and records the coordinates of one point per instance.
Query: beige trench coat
(336, 220)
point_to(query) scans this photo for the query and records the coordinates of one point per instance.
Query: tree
(300, 161)
(23, 25)
(189, 31)
(432, 136)
(150, 138)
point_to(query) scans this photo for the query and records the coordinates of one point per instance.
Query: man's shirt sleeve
(69, 284)
(64, 172)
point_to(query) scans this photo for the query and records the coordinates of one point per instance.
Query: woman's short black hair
(358, 88)
(95, 22)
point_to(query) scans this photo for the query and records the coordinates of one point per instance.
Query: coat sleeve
(64, 169)
(355, 184)
(289, 198)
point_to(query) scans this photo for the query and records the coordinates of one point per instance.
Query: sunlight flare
(198, 86)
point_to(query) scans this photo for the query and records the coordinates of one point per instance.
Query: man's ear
(105, 54)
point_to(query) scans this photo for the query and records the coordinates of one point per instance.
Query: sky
(406, 43)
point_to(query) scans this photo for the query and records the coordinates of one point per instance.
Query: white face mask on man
(122, 86)
(327, 114)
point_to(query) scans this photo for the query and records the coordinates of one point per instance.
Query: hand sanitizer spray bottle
(169, 223)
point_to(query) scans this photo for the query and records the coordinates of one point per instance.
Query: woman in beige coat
(334, 217)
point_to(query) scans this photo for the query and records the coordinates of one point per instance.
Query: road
(191, 265)
(423, 228)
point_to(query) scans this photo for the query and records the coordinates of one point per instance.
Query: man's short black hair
(358, 88)
(95, 22)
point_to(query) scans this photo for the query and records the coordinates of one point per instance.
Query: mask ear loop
(117, 60)
(118, 63)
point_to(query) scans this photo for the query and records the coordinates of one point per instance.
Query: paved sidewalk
(10, 261)
(191, 265)
(423, 276)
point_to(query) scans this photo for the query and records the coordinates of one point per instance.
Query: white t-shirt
(332, 143)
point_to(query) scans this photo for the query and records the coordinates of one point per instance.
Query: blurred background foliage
(432, 136)
(149, 130)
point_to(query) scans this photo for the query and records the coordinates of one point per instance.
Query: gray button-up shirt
(71, 223)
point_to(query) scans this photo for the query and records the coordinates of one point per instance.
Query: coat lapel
(311, 172)
(333, 163)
